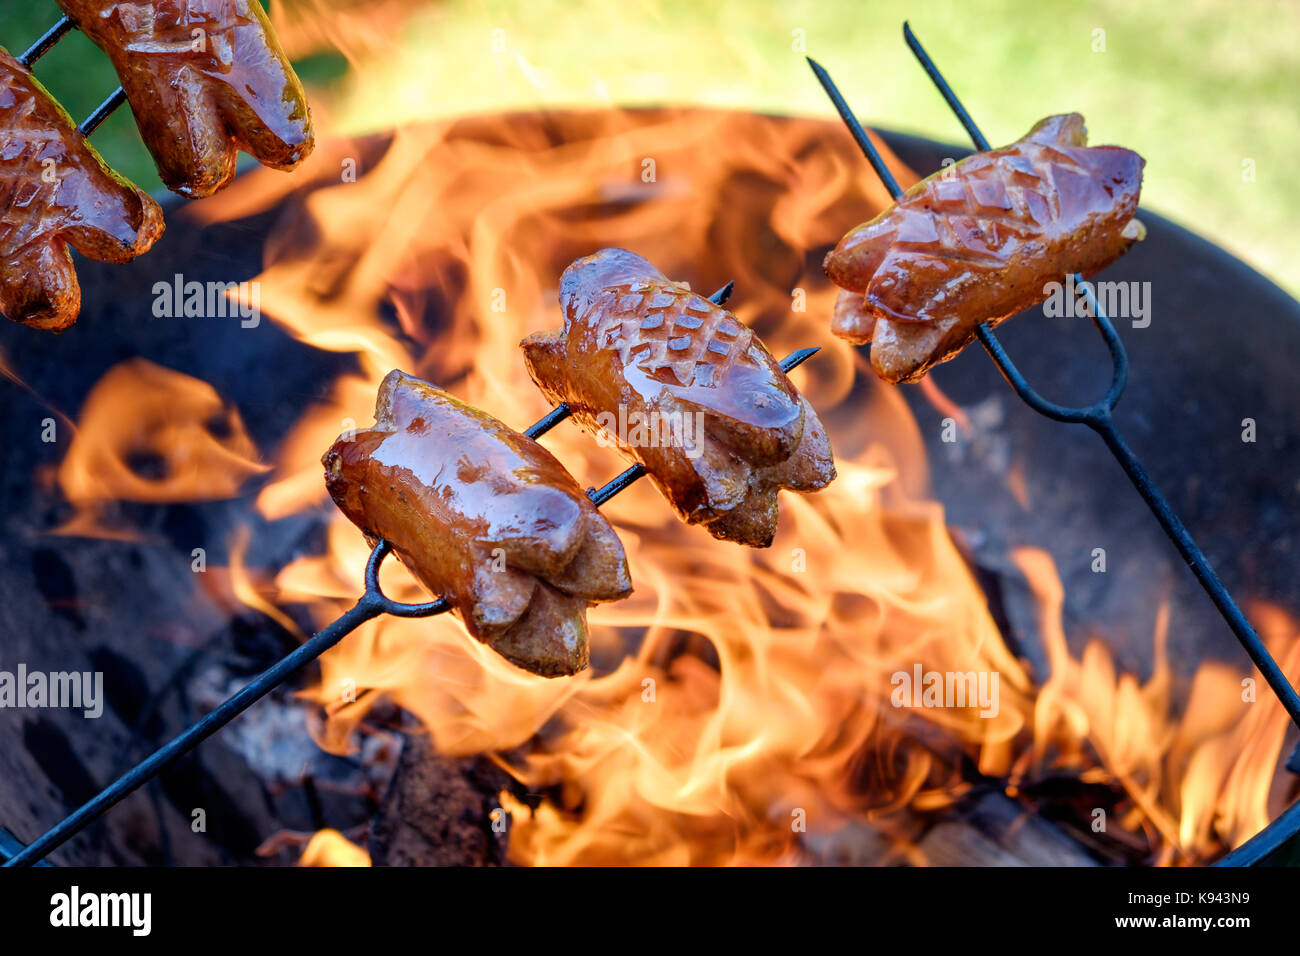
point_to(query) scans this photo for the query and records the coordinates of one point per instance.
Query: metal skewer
(1097, 416)
(42, 46)
(372, 603)
(50, 37)
(102, 112)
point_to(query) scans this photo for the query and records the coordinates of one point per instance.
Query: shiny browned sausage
(979, 241)
(205, 78)
(684, 388)
(484, 515)
(56, 191)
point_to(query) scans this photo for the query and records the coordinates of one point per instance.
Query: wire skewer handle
(1097, 416)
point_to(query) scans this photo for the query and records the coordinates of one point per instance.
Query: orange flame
(741, 699)
(1202, 783)
(149, 434)
(331, 848)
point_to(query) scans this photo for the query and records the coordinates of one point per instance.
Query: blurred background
(1204, 89)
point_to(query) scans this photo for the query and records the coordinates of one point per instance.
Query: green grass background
(1196, 86)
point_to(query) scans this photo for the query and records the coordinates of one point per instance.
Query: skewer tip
(722, 295)
(797, 358)
(912, 42)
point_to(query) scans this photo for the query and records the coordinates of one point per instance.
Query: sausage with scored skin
(980, 241)
(723, 429)
(55, 192)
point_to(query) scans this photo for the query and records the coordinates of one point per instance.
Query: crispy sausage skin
(722, 430)
(205, 78)
(56, 191)
(484, 515)
(978, 241)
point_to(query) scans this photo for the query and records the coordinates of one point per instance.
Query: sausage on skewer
(485, 516)
(56, 192)
(981, 241)
(721, 428)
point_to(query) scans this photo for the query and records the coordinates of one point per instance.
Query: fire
(1201, 783)
(150, 434)
(741, 708)
(331, 848)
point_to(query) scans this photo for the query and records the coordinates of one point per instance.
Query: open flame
(742, 706)
(1197, 784)
(331, 848)
(150, 434)
(741, 699)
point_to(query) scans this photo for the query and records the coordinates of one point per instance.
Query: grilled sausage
(979, 241)
(722, 430)
(485, 516)
(56, 191)
(205, 78)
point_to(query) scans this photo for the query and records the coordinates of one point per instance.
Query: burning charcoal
(205, 79)
(996, 831)
(686, 390)
(59, 192)
(441, 811)
(486, 517)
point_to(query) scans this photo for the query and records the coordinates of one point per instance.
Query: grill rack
(1098, 416)
(372, 603)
